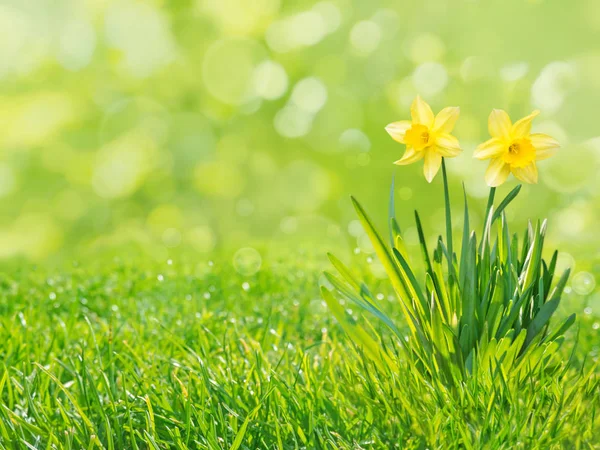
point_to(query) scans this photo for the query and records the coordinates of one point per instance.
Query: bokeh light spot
(228, 69)
(7, 180)
(77, 44)
(354, 139)
(571, 168)
(202, 238)
(583, 283)
(303, 186)
(514, 72)
(270, 80)
(309, 94)
(146, 46)
(550, 88)
(171, 237)
(365, 36)
(430, 78)
(293, 122)
(218, 179)
(247, 261)
(426, 47)
(122, 165)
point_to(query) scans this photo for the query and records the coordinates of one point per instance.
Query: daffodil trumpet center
(520, 153)
(418, 137)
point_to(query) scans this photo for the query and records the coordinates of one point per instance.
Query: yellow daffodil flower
(513, 149)
(426, 136)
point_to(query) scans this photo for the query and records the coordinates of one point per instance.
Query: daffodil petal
(421, 112)
(499, 124)
(522, 127)
(432, 163)
(447, 145)
(492, 148)
(397, 130)
(446, 118)
(410, 156)
(528, 174)
(497, 172)
(545, 146)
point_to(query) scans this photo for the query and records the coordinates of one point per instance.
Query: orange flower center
(520, 153)
(417, 136)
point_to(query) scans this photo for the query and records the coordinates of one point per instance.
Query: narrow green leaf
(412, 284)
(487, 216)
(569, 321)
(343, 271)
(465, 242)
(541, 319)
(504, 203)
(448, 220)
(392, 212)
(383, 254)
(401, 246)
(424, 250)
(239, 437)
(363, 303)
(358, 335)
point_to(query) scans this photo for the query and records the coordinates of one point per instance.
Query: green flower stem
(490, 203)
(448, 219)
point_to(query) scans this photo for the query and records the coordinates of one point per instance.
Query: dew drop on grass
(380, 296)
(587, 311)
(160, 278)
(246, 286)
(596, 325)
(52, 296)
(206, 295)
(169, 262)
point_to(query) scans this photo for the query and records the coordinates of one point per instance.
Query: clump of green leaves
(485, 310)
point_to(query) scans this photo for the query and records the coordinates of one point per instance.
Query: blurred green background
(218, 125)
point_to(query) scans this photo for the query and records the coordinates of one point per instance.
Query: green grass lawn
(192, 355)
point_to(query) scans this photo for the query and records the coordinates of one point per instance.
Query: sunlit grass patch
(192, 355)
